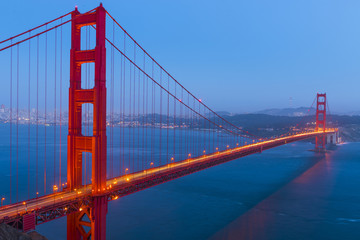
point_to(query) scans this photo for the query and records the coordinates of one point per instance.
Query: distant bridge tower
(95, 216)
(320, 141)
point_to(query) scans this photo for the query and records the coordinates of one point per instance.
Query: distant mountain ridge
(300, 111)
(285, 112)
(354, 113)
(289, 112)
(223, 113)
(266, 125)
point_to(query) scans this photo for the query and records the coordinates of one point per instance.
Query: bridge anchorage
(156, 114)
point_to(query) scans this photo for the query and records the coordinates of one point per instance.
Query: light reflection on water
(284, 193)
(309, 207)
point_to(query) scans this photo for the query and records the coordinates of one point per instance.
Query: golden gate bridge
(130, 124)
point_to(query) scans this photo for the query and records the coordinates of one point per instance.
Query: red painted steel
(320, 141)
(29, 222)
(96, 144)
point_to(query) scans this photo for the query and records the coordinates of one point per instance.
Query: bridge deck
(62, 203)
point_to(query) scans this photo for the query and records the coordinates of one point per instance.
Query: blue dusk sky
(238, 56)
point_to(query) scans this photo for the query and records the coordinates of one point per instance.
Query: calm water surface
(283, 193)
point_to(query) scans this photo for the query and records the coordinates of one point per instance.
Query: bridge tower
(320, 141)
(94, 216)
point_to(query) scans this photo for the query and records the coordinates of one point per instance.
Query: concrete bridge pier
(333, 138)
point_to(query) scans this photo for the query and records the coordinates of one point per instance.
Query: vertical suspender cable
(146, 84)
(112, 108)
(168, 120)
(146, 116)
(55, 62)
(192, 127)
(188, 140)
(11, 120)
(17, 125)
(204, 131)
(121, 112)
(209, 135)
(143, 119)
(113, 105)
(174, 125)
(152, 116)
(60, 113)
(37, 115)
(181, 125)
(28, 163)
(180, 131)
(160, 117)
(124, 102)
(110, 112)
(130, 117)
(134, 106)
(45, 96)
(138, 120)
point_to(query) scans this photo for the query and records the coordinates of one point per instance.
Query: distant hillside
(270, 125)
(298, 112)
(290, 112)
(223, 113)
(354, 113)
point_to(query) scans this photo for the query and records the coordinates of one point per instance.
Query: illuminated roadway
(64, 196)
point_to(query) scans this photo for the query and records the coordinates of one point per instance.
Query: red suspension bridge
(130, 125)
